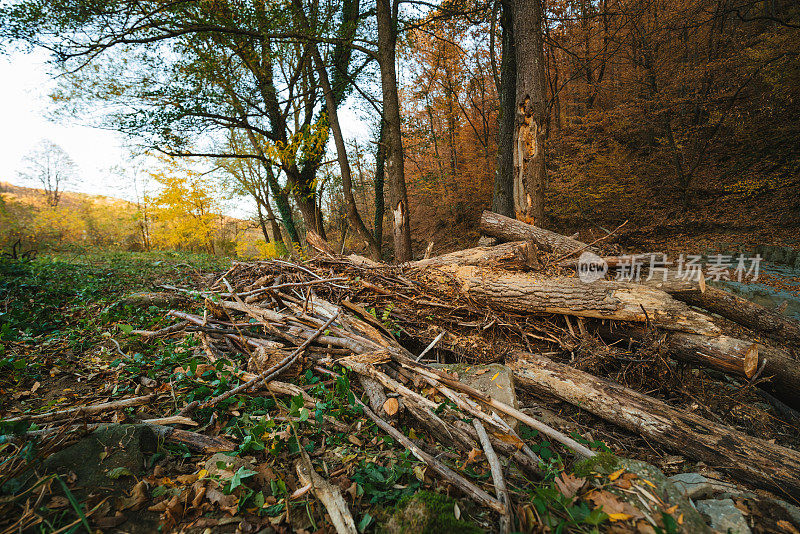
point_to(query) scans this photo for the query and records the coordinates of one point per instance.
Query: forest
(407, 266)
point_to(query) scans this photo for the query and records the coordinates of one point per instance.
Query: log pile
(515, 301)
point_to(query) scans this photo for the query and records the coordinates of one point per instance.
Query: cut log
(736, 357)
(514, 256)
(531, 293)
(735, 308)
(507, 229)
(743, 457)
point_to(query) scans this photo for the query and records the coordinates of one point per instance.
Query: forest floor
(68, 338)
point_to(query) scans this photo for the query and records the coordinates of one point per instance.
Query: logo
(591, 267)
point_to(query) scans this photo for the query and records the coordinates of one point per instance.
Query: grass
(56, 309)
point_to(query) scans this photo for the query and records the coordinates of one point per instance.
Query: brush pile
(395, 330)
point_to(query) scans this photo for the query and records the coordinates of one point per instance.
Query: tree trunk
(743, 457)
(507, 229)
(514, 256)
(531, 112)
(353, 216)
(536, 294)
(386, 17)
(380, 169)
(503, 198)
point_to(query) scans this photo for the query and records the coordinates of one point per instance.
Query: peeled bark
(743, 457)
(507, 229)
(536, 294)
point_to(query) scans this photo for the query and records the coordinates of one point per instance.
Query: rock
(695, 485)
(107, 458)
(223, 466)
(723, 516)
(495, 380)
(426, 512)
(662, 487)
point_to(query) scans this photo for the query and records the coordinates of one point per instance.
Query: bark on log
(514, 256)
(733, 307)
(743, 457)
(529, 293)
(737, 357)
(507, 229)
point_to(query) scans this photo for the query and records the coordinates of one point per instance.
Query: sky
(24, 106)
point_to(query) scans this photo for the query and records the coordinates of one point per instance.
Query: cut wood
(733, 356)
(735, 308)
(537, 294)
(743, 457)
(507, 229)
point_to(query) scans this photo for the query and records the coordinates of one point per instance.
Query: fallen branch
(500, 489)
(84, 410)
(328, 494)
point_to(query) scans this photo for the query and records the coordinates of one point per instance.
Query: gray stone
(107, 458)
(664, 489)
(223, 466)
(494, 379)
(695, 485)
(723, 516)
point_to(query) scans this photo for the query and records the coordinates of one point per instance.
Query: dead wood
(743, 457)
(500, 489)
(328, 494)
(507, 229)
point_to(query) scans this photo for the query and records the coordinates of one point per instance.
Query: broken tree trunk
(530, 293)
(733, 307)
(737, 357)
(507, 229)
(743, 457)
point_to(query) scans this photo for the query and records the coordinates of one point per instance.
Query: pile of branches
(518, 301)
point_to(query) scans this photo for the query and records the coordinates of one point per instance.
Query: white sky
(25, 86)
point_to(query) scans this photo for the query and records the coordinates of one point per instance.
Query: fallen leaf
(788, 527)
(482, 371)
(569, 484)
(611, 504)
(456, 511)
(57, 502)
(391, 406)
(495, 376)
(619, 517)
(136, 499)
(226, 503)
(615, 475)
(354, 440)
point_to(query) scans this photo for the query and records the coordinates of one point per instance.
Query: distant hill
(32, 195)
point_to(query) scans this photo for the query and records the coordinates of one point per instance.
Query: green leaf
(126, 328)
(118, 472)
(364, 523)
(241, 474)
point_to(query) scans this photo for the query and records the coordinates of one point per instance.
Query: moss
(603, 462)
(426, 512)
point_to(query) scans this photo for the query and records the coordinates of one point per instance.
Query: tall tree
(531, 111)
(386, 13)
(503, 197)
